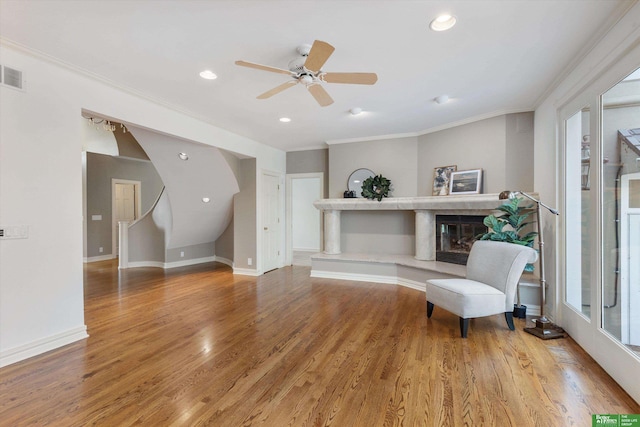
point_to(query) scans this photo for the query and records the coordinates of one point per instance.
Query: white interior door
(630, 258)
(125, 206)
(270, 222)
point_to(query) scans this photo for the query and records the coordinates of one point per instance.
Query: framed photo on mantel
(441, 178)
(466, 182)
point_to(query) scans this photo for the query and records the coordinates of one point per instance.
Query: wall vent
(11, 77)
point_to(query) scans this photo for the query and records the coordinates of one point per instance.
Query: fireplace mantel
(424, 207)
(473, 202)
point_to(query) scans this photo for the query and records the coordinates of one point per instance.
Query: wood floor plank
(199, 346)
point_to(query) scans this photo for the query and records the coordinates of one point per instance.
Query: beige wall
(244, 222)
(393, 158)
(478, 145)
(310, 161)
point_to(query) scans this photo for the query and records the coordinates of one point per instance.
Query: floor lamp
(544, 328)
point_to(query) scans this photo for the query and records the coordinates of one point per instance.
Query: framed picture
(466, 182)
(441, 179)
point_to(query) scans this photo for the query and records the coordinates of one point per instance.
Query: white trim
(247, 272)
(98, 258)
(42, 345)
(357, 277)
(412, 284)
(433, 129)
(174, 264)
(136, 264)
(223, 260)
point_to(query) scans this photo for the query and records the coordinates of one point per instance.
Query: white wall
(41, 289)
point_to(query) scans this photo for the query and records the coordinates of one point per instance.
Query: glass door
(621, 211)
(600, 224)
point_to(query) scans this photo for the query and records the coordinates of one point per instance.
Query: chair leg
(464, 327)
(508, 315)
(429, 308)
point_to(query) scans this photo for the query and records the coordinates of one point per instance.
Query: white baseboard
(418, 286)
(355, 277)
(43, 345)
(167, 265)
(224, 261)
(99, 258)
(135, 264)
(186, 262)
(246, 272)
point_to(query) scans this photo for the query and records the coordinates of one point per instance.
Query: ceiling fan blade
(320, 95)
(351, 78)
(264, 68)
(318, 55)
(276, 90)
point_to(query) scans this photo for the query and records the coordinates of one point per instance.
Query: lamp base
(546, 330)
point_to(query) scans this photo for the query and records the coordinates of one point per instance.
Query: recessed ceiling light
(206, 200)
(441, 99)
(355, 111)
(208, 74)
(443, 22)
(183, 156)
(285, 119)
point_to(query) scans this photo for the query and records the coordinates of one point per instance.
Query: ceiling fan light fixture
(208, 75)
(306, 79)
(355, 111)
(443, 22)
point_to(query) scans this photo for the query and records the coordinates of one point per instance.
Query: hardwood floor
(199, 346)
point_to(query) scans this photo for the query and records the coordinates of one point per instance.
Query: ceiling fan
(306, 70)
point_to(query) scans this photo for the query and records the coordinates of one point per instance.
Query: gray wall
(478, 145)
(519, 152)
(310, 161)
(244, 208)
(501, 146)
(393, 158)
(378, 232)
(201, 250)
(100, 170)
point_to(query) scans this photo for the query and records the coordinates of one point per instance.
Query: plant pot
(520, 311)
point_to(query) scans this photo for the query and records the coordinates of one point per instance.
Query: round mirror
(356, 179)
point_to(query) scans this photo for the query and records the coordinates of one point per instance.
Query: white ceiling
(501, 57)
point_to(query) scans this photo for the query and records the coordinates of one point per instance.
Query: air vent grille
(11, 77)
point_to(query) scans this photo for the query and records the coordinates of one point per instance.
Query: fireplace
(455, 235)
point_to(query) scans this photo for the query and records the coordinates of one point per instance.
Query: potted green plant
(508, 226)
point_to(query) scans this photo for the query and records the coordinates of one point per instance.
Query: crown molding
(445, 126)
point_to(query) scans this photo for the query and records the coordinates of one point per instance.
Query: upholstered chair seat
(490, 286)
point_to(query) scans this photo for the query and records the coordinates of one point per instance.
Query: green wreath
(376, 187)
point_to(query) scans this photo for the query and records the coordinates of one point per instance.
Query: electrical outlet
(181, 254)
(250, 261)
(101, 249)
